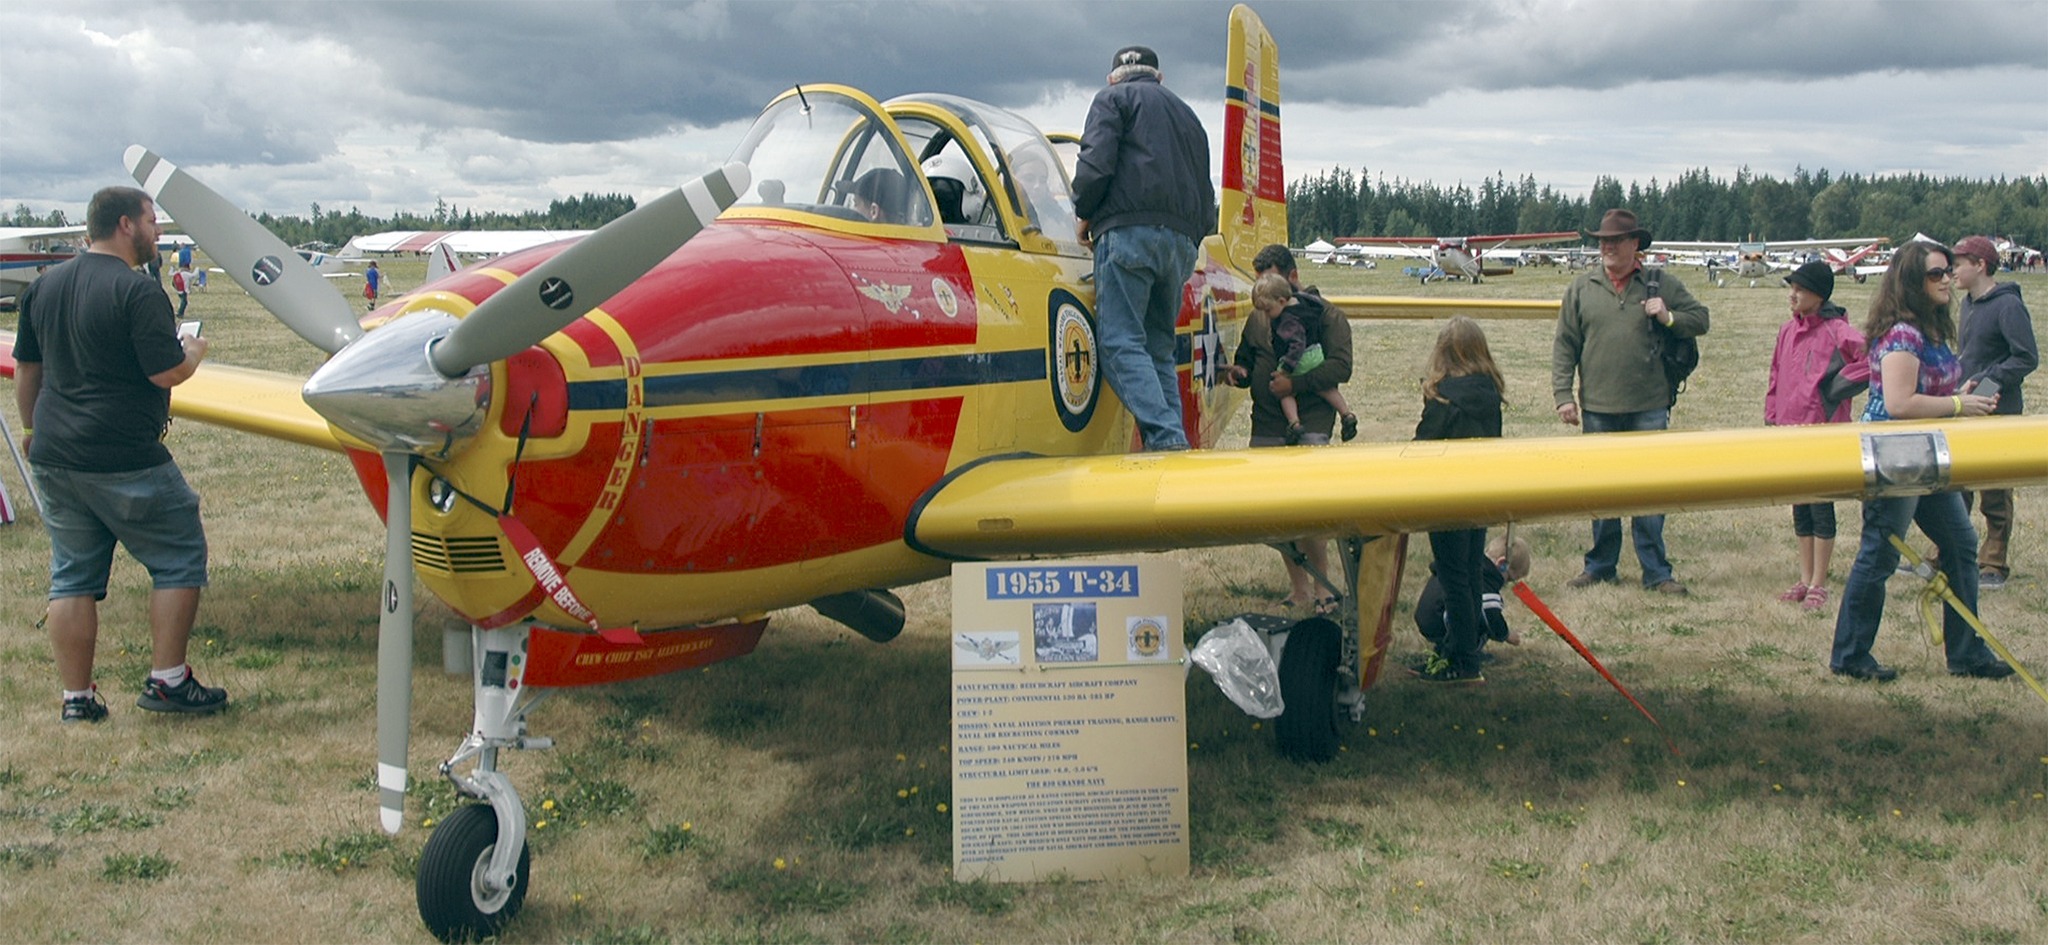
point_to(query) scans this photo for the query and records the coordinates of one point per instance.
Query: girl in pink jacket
(1809, 340)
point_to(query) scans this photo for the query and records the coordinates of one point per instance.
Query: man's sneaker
(1990, 580)
(86, 708)
(188, 696)
(1669, 586)
(1440, 670)
(1588, 579)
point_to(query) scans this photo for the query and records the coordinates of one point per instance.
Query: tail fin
(1252, 207)
(441, 261)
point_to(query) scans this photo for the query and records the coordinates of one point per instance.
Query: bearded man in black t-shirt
(96, 353)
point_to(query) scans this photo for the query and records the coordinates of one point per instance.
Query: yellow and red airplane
(615, 456)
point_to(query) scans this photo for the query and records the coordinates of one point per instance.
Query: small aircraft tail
(441, 261)
(1252, 206)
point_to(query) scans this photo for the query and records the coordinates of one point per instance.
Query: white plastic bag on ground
(1243, 668)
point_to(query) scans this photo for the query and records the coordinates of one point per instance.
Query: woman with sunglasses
(1914, 375)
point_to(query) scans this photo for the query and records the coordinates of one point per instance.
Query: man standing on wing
(1142, 191)
(96, 355)
(1604, 338)
(1996, 343)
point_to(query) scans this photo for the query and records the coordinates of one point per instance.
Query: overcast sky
(504, 106)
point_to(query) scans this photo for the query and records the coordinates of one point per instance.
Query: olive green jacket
(1604, 339)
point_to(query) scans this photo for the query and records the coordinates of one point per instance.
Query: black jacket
(1997, 338)
(1473, 410)
(1144, 162)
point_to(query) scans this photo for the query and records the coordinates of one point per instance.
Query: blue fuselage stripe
(818, 380)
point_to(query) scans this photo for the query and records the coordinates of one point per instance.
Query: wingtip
(134, 156)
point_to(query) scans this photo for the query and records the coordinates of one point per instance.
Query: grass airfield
(796, 795)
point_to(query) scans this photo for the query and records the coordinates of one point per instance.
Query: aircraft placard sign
(1069, 720)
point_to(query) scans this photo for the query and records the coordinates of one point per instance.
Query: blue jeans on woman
(1943, 518)
(1604, 560)
(1139, 273)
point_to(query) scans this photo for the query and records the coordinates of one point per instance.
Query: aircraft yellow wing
(266, 403)
(1078, 505)
(1396, 307)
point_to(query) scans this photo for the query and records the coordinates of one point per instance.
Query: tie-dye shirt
(1940, 372)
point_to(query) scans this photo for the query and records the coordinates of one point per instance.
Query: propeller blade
(270, 271)
(394, 644)
(558, 292)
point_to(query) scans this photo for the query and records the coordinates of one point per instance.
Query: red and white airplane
(1755, 260)
(1453, 255)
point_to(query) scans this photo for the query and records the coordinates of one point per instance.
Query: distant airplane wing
(1512, 240)
(1390, 247)
(266, 403)
(1099, 504)
(8, 233)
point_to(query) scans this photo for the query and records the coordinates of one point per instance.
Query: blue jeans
(1139, 272)
(151, 512)
(1602, 562)
(1942, 517)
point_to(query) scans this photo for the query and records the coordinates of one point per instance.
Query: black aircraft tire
(452, 863)
(1307, 730)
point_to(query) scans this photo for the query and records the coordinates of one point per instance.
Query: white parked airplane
(1453, 255)
(1755, 260)
(26, 250)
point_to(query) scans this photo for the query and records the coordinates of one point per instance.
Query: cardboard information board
(1069, 720)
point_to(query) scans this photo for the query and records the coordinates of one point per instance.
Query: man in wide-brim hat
(1604, 341)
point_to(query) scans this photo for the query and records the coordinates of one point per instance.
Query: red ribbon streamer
(554, 584)
(1543, 613)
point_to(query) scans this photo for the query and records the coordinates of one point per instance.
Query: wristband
(1959, 404)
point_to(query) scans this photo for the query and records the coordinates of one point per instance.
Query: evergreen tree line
(1696, 206)
(587, 212)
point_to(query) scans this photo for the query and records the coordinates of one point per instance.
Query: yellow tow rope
(1936, 592)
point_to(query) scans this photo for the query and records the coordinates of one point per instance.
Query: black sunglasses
(1941, 272)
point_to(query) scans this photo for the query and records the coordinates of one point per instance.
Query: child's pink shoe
(1795, 594)
(1816, 599)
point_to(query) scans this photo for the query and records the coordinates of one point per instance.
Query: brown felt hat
(1620, 223)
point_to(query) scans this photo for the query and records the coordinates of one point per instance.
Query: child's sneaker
(1350, 428)
(1295, 432)
(188, 696)
(86, 708)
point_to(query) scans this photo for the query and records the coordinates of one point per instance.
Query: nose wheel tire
(453, 901)
(1307, 729)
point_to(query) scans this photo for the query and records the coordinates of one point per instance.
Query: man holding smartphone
(97, 352)
(1997, 348)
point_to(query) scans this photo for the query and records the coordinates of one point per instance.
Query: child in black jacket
(1461, 399)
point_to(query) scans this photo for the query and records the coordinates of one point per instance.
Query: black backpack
(1679, 356)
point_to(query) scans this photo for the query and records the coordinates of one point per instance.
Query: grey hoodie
(1996, 338)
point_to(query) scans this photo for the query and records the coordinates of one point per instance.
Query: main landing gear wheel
(1307, 730)
(453, 901)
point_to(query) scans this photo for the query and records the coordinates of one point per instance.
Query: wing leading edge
(1080, 505)
(266, 403)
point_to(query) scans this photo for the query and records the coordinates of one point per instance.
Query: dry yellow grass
(1539, 808)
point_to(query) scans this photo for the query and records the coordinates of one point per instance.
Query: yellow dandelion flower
(1372, 733)
(1627, 740)
(1194, 746)
(781, 864)
(1777, 787)
(909, 831)
(942, 808)
(913, 789)
(1255, 727)
(899, 757)
(429, 822)
(344, 861)
(575, 897)
(686, 825)
(1681, 782)
(1418, 884)
(1528, 805)
(1499, 746)
(548, 804)
(1481, 731)
(1343, 747)
(542, 825)
(902, 793)
(1897, 813)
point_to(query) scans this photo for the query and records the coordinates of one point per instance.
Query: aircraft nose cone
(384, 389)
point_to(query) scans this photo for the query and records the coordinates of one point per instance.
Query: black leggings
(1816, 519)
